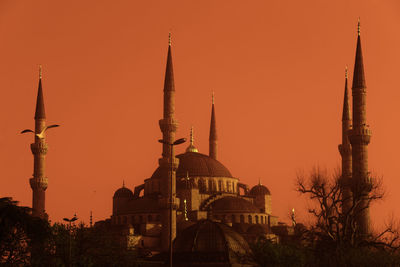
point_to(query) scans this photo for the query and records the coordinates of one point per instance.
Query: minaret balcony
(360, 134)
(166, 163)
(39, 148)
(344, 149)
(39, 183)
(168, 125)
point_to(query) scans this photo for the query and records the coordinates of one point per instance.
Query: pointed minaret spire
(345, 150)
(191, 147)
(346, 107)
(358, 75)
(213, 139)
(40, 113)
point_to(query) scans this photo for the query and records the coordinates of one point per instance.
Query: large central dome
(197, 165)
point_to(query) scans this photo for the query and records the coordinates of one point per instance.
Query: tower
(39, 180)
(345, 151)
(213, 139)
(360, 136)
(168, 163)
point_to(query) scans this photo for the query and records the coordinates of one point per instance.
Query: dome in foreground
(259, 190)
(208, 242)
(123, 192)
(196, 165)
(233, 204)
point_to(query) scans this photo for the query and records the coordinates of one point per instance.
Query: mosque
(202, 189)
(193, 199)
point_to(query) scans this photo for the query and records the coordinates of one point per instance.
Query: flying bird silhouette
(41, 134)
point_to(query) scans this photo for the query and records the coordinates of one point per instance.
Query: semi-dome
(196, 165)
(259, 190)
(211, 242)
(123, 192)
(233, 204)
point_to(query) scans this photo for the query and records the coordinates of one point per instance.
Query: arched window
(149, 218)
(202, 186)
(262, 219)
(210, 187)
(233, 218)
(220, 186)
(256, 219)
(140, 219)
(250, 219)
(132, 219)
(241, 218)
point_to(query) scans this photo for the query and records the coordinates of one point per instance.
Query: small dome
(259, 190)
(208, 241)
(123, 192)
(196, 164)
(233, 204)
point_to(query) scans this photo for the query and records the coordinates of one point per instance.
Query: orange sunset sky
(276, 67)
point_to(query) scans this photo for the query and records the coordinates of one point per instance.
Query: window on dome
(220, 187)
(250, 219)
(203, 186)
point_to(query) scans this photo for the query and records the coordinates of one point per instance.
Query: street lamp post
(70, 221)
(171, 198)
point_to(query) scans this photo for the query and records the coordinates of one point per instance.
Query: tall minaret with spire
(213, 139)
(39, 150)
(345, 150)
(168, 126)
(360, 137)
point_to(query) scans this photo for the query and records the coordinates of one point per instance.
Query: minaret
(168, 126)
(360, 137)
(213, 133)
(345, 150)
(39, 150)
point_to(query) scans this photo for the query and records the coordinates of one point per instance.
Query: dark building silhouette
(204, 191)
(355, 157)
(39, 180)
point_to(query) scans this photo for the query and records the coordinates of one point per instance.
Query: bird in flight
(41, 134)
